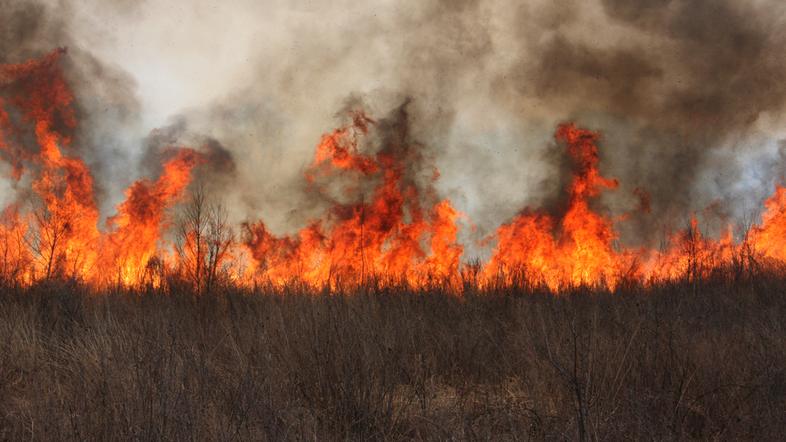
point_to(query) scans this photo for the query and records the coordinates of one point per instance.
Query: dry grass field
(688, 360)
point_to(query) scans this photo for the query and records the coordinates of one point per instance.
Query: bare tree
(15, 257)
(219, 240)
(47, 240)
(204, 239)
(190, 245)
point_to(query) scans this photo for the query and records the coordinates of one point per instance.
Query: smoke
(682, 95)
(105, 103)
(688, 95)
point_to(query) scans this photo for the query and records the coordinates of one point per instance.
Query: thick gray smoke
(688, 94)
(686, 97)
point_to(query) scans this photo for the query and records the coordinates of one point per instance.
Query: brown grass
(677, 361)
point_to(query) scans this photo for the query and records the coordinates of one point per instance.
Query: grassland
(686, 360)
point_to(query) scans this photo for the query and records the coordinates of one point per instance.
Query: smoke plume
(687, 96)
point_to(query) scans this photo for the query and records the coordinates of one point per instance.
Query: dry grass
(679, 361)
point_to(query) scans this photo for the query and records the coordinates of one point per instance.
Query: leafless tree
(204, 239)
(47, 240)
(13, 250)
(219, 240)
(190, 244)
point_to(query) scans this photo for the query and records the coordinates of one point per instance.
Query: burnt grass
(685, 360)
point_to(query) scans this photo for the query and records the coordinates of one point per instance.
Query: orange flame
(574, 250)
(140, 222)
(393, 231)
(381, 240)
(66, 240)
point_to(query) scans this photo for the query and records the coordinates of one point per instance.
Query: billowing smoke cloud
(682, 95)
(687, 94)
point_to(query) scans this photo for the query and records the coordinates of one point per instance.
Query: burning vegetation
(529, 220)
(386, 226)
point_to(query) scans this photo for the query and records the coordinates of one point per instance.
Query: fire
(770, 237)
(381, 240)
(580, 248)
(386, 227)
(64, 237)
(691, 255)
(139, 225)
(576, 249)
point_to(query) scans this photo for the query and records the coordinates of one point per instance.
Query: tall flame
(770, 237)
(382, 239)
(65, 239)
(387, 228)
(576, 249)
(139, 225)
